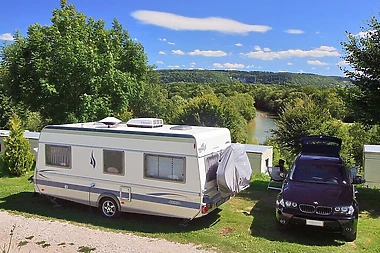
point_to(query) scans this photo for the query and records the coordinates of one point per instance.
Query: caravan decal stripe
(134, 196)
(119, 131)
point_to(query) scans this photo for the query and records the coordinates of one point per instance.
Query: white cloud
(316, 62)
(364, 33)
(177, 22)
(249, 67)
(327, 48)
(193, 64)
(267, 49)
(173, 66)
(163, 39)
(208, 53)
(178, 52)
(218, 65)
(162, 52)
(238, 44)
(229, 65)
(328, 68)
(343, 63)
(159, 62)
(290, 63)
(283, 71)
(323, 51)
(294, 31)
(171, 43)
(301, 71)
(257, 48)
(6, 36)
(313, 68)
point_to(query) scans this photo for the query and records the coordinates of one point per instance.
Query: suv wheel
(280, 227)
(350, 237)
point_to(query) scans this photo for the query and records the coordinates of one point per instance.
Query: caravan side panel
(83, 179)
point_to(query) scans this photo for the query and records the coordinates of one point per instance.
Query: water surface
(259, 128)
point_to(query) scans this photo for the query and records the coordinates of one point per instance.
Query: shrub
(18, 159)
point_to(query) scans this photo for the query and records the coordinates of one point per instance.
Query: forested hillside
(255, 77)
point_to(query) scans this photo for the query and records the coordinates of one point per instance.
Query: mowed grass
(244, 224)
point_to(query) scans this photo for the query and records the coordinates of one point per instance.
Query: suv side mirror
(358, 180)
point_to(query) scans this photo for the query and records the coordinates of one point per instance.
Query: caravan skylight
(110, 121)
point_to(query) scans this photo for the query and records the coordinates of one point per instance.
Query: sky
(297, 36)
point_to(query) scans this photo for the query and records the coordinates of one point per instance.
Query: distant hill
(254, 77)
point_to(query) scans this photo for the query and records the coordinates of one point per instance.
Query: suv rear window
(317, 172)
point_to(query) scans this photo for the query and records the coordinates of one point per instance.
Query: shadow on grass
(40, 205)
(369, 203)
(264, 225)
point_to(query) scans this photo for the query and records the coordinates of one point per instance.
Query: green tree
(18, 158)
(207, 110)
(297, 119)
(202, 111)
(243, 103)
(75, 69)
(154, 103)
(301, 118)
(363, 54)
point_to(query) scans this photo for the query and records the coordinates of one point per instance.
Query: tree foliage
(18, 158)
(248, 77)
(208, 110)
(75, 69)
(299, 118)
(362, 52)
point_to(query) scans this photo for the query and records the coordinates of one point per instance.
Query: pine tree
(18, 158)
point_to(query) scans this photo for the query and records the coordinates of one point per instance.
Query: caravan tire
(109, 208)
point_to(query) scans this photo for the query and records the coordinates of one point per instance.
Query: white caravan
(141, 166)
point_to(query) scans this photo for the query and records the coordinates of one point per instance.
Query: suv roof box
(319, 144)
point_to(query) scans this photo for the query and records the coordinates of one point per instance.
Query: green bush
(18, 159)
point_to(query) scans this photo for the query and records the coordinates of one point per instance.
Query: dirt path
(37, 235)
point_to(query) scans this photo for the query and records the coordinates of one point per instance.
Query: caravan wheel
(109, 208)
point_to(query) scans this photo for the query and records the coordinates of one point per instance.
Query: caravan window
(113, 162)
(164, 167)
(211, 164)
(58, 156)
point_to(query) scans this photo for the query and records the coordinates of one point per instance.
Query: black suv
(318, 192)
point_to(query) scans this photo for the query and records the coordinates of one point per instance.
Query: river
(259, 128)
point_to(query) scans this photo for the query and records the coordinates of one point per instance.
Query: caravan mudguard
(108, 195)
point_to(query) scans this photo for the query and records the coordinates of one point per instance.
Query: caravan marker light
(205, 209)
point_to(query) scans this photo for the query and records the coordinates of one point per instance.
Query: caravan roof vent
(110, 121)
(180, 127)
(145, 122)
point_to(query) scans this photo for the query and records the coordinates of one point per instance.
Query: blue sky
(293, 36)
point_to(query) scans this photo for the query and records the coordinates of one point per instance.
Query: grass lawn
(243, 224)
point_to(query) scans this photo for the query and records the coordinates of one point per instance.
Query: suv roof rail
(319, 144)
